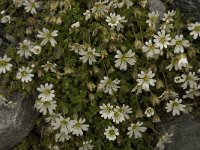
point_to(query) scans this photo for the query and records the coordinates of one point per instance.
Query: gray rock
(157, 5)
(16, 121)
(186, 133)
(190, 8)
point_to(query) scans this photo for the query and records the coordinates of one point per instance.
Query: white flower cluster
(117, 114)
(66, 126)
(45, 103)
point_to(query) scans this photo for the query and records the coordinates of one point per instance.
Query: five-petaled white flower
(4, 64)
(79, 127)
(106, 111)
(64, 124)
(151, 50)
(162, 39)
(108, 85)
(123, 59)
(125, 110)
(195, 29)
(100, 8)
(117, 116)
(47, 36)
(115, 21)
(31, 6)
(136, 129)
(45, 106)
(153, 19)
(179, 43)
(46, 92)
(193, 92)
(145, 79)
(164, 139)
(62, 137)
(168, 94)
(175, 106)
(49, 66)
(190, 79)
(89, 55)
(111, 133)
(25, 74)
(87, 145)
(25, 48)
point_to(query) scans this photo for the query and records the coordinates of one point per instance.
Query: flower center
(112, 132)
(3, 63)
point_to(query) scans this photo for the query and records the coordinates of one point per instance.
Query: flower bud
(91, 86)
(139, 113)
(159, 84)
(143, 3)
(156, 118)
(138, 44)
(91, 96)
(154, 100)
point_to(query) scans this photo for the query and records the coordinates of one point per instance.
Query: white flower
(164, 139)
(151, 50)
(190, 80)
(117, 116)
(5, 19)
(123, 59)
(4, 64)
(25, 74)
(168, 17)
(175, 106)
(76, 47)
(179, 43)
(45, 106)
(31, 6)
(111, 133)
(145, 79)
(100, 8)
(36, 49)
(193, 92)
(195, 29)
(87, 145)
(52, 117)
(106, 111)
(18, 3)
(153, 18)
(79, 127)
(46, 92)
(116, 4)
(24, 48)
(49, 66)
(75, 25)
(125, 110)
(177, 79)
(62, 137)
(128, 3)
(162, 39)
(64, 124)
(168, 94)
(149, 112)
(108, 85)
(87, 14)
(115, 21)
(89, 55)
(136, 129)
(47, 36)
